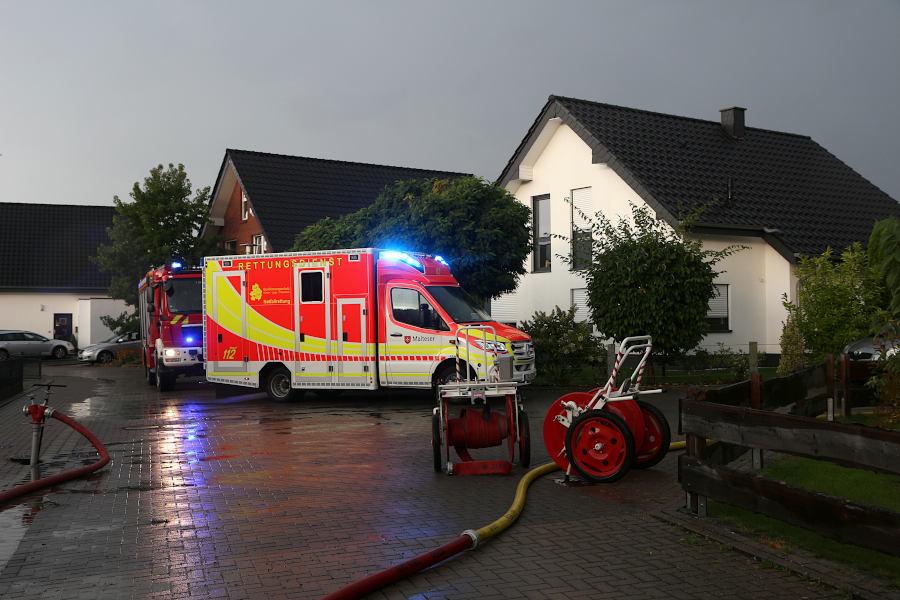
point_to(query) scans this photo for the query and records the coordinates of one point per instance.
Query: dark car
(107, 350)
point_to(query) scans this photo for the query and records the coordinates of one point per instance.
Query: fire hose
(467, 540)
(38, 415)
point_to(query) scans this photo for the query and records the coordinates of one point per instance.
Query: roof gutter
(769, 235)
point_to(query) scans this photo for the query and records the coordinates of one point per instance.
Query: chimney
(733, 121)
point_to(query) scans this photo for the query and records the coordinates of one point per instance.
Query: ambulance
(349, 319)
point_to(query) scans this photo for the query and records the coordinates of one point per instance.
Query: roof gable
(289, 193)
(782, 186)
(50, 246)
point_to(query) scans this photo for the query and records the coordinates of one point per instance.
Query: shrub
(563, 347)
(127, 357)
(793, 354)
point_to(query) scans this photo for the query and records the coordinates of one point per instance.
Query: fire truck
(170, 299)
(349, 319)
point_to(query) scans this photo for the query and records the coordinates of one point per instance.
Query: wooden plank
(855, 523)
(856, 445)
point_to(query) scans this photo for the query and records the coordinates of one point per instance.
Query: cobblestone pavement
(243, 498)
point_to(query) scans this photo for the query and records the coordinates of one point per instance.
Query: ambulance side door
(415, 334)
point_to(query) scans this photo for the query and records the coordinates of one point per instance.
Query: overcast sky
(93, 94)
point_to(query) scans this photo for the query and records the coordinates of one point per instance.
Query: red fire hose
(43, 482)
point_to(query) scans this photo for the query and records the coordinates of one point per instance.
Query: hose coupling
(472, 534)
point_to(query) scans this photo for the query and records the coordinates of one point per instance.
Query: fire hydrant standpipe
(38, 484)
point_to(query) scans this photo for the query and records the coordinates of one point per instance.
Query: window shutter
(581, 203)
(718, 304)
(504, 309)
(579, 301)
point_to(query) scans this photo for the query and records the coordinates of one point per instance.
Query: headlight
(498, 347)
(171, 352)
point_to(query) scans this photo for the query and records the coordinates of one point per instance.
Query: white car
(15, 342)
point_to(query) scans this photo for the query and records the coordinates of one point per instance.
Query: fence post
(829, 375)
(696, 448)
(756, 454)
(845, 386)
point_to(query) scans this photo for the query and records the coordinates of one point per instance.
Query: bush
(563, 348)
(886, 380)
(793, 354)
(127, 357)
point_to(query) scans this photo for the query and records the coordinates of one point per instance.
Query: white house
(779, 194)
(48, 281)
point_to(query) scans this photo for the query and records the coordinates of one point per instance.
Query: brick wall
(236, 228)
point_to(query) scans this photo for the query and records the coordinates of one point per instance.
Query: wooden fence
(853, 445)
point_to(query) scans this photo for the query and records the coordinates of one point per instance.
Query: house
(49, 283)
(779, 194)
(261, 201)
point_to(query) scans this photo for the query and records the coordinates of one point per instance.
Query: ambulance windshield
(184, 295)
(461, 307)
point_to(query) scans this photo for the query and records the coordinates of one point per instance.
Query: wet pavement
(240, 497)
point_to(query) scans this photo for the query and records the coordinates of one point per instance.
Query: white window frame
(259, 244)
(535, 223)
(246, 211)
(727, 315)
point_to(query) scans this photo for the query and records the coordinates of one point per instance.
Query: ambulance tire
(447, 373)
(164, 381)
(278, 385)
(150, 375)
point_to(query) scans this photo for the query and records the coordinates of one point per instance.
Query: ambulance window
(311, 286)
(412, 308)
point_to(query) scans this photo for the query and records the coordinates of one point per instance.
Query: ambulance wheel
(524, 440)
(278, 384)
(600, 446)
(657, 437)
(447, 374)
(437, 448)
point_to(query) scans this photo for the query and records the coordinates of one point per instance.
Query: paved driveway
(243, 498)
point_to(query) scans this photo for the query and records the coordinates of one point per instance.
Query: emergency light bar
(404, 258)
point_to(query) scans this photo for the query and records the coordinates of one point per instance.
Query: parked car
(15, 342)
(107, 350)
(864, 354)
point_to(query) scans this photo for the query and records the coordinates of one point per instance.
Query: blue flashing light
(189, 339)
(176, 264)
(441, 260)
(404, 258)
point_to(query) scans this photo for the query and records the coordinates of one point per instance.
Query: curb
(799, 561)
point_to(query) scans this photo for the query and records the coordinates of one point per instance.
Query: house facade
(49, 283)
(261, 201)
(778, 195)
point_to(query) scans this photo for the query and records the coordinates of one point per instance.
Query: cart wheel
(600, 446)
(554, 432)
(657, 437)
(524, 440)
(436, 444)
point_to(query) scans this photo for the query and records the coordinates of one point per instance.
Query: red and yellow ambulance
(348, 319)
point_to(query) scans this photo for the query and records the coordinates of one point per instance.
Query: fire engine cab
(349, 319)
(170, 309)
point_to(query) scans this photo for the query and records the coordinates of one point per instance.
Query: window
(717, 315)
(541, 228)
(245, 207)
(33, 337)
(412, 308)
(230, 247)
(259, 244)
(581, 229)
(311, 288)
(580, 302)
(184, 295)
(458, 304)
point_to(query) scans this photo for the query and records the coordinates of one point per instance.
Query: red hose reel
(603, 433)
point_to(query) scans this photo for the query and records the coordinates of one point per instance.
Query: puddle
(12, 524)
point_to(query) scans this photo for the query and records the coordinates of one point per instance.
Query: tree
(838, 301)
(477, 226)
(884, 259)
(162, 221)
(645, 278)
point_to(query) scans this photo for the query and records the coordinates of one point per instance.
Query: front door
(62, 326)
(312, 327)
(227, 336)
(415, 336)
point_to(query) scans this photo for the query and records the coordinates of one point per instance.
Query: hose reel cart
(607, 431)
(491, 410)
